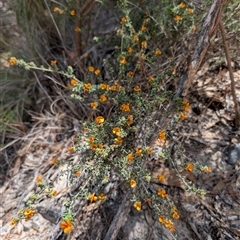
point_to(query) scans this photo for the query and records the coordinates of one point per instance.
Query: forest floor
(204, 137)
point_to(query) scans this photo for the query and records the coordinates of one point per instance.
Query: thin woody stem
(233, 89)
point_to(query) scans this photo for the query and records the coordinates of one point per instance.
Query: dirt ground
(204, 138)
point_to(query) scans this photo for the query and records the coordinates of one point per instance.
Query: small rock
(49, 214)
(233, 153)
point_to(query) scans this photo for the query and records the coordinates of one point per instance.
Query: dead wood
(233, 89)
(209, 27)
(119, 219)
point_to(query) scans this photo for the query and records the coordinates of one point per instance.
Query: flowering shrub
(126, 113)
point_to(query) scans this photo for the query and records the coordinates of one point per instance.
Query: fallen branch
(209, 26)
(119, 219)
(233, 90)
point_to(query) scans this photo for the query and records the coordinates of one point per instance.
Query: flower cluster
(162, 193)
(182, 9)
(184, 110)
(167, 223)
(137, 205)
(66, 225)
(13, 61)
(190, 167)
(162, 135)
(93, 198)
(175, 213)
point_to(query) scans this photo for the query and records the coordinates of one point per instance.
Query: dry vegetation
(171, 81)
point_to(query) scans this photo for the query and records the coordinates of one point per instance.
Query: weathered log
(209, 26)
(119, 219)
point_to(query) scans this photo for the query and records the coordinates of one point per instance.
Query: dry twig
(233, 89)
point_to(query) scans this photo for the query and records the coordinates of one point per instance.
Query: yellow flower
(135, 38)
(116, 131)
(175, 215)
(130, 120)
(162, 135)
(130, 117)
(190, 11)
(137, 89)
(102, 98)
(53, 192)
(56, 9)
(190, 167)
(39, 179)
(102, 196)
(13, 222)
(53, 62)
(118, 140)
(161, 178)
(150, 78)
(168, 223)
(206, 169)
(130, 73)
(125, 107)
(137, 205)
(72, 12)
(97, 72)
(133, 183)
(144, 44)
(123, 20)
(177, 18)
(158, 52)
(99, 119)
(73, 82)
(92, 198)
(182, 5)
(91, 69)
(70, 149)
(93, 146)
(130, 50)
(138, 151)
(114, 88)
(183, 116)
(93, 105)
(103, 86)
(162, 193)
(77, 29)
(161, 219)
(87, 86)
(143, 28)
(12, 61)
(123, 60)
(28, 213)
(66, 225)
(130, 157)
(186, 106)
(149, 150)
